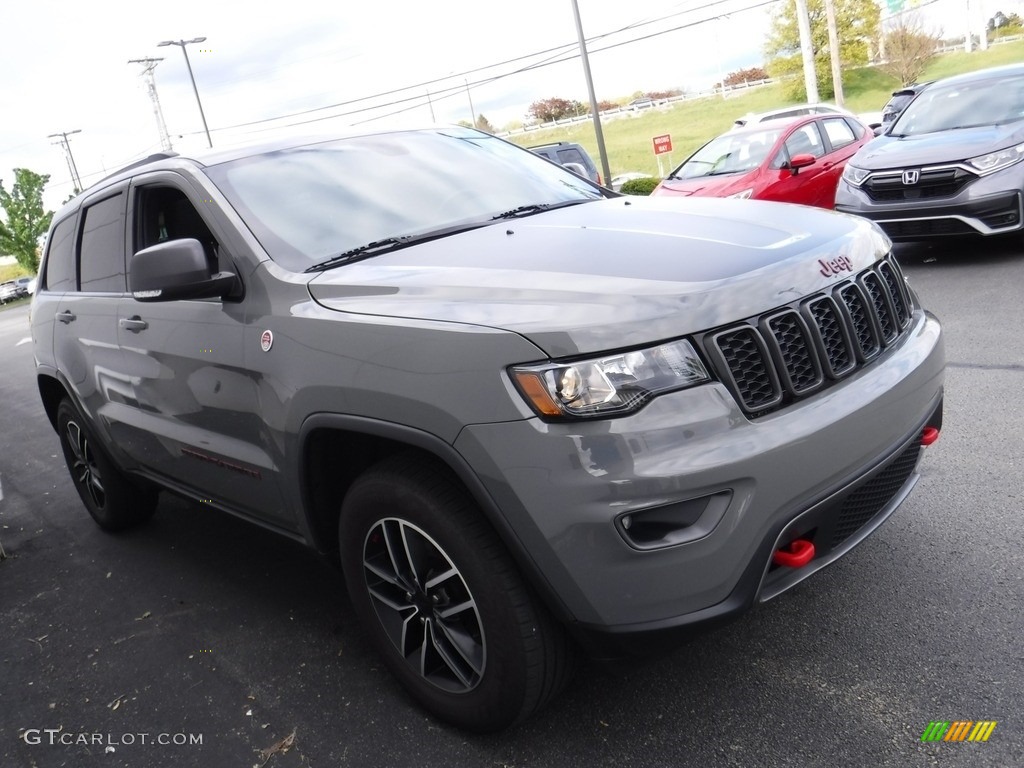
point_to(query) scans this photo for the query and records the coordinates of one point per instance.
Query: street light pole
(182, 44)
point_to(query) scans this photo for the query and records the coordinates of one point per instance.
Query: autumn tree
(483, 124)
(24, 219)
(741, 76)
(857, 22)
(909, 49)
(549, 110)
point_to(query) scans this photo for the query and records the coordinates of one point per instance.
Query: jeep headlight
(854, 175)
(996, 161)
(609, 385)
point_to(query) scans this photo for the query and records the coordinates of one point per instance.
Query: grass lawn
(15, 303)
(628, 136)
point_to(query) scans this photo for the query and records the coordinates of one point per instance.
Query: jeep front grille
(773, 360)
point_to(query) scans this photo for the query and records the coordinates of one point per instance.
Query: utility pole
(599, 134)
(833, 50)
(472, 111)
(148, 65)
(810, 74)
(968, 43)
(71, 158)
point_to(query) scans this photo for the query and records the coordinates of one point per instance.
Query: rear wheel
(113, 500)
(444, 602)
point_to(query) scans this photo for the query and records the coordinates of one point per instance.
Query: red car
(792, 160)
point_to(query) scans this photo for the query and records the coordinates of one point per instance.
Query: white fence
(628, 111)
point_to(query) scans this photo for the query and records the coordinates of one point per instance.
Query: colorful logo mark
(959, 730)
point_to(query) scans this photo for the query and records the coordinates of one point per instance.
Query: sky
(313, 67)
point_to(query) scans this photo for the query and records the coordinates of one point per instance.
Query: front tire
(443, 601)
(113, 500)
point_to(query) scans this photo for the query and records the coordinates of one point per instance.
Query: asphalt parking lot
(202, 641)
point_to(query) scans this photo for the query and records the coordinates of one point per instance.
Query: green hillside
(691, 123)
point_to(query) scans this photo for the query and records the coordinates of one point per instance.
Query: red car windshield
(734, 152)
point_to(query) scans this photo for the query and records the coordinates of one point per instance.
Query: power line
(560, 53)
(557, 59)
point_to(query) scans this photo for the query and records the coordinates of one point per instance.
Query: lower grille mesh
(868, 500)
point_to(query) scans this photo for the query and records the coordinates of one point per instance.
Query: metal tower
(147, 72)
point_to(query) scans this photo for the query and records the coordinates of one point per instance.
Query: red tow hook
(929, 435)
(796, 554)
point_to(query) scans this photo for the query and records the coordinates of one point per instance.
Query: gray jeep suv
(528, 416)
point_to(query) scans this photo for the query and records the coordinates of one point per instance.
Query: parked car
(9, 291)
(949, 165)
(25, 284)
(794, 110)
(527, 415)
(569, 154)
(792, 160)
(899, 101)
(644, 102)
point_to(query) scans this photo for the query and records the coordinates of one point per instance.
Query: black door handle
(134, 324)
(66, 316)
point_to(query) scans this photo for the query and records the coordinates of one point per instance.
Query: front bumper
(991, 205)
(565, 490)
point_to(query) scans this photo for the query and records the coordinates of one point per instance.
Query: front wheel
(112, 499)
(444, 602)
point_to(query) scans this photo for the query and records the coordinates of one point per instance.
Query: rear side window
(60, 257)
(571, 155)
(839, 132)
(101, 256)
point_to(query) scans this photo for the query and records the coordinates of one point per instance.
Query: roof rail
(139, 163)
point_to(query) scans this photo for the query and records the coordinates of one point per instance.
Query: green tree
(25, 220)
(857, 24)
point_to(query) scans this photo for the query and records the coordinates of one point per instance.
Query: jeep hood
(611, 273)
(951, 146)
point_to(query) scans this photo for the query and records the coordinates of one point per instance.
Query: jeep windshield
(995, 101)
(324, 204)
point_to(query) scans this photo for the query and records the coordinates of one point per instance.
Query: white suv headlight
(610, 385)
(854, 175)
(996, 161)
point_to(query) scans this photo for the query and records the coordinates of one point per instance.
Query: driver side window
(166, 213)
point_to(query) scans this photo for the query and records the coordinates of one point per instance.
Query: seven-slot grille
(775, 359)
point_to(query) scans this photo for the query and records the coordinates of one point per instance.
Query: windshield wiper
(388, 244)
(529, 210)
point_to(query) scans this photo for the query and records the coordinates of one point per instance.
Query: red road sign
(662, 144)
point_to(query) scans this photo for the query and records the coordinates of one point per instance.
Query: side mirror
(177, 270)
(796, 162)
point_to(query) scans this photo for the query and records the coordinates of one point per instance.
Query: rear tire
(443, 601)
(113, 500)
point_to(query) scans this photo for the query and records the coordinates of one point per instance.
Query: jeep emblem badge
(910, 178)
(266, 341)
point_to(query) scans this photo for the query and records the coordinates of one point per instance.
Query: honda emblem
(910, 178)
